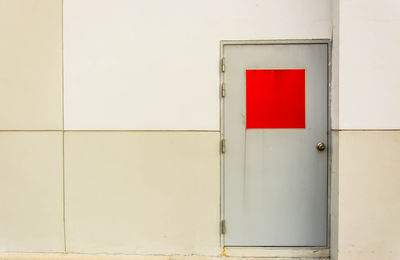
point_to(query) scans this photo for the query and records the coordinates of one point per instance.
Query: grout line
(63, 119)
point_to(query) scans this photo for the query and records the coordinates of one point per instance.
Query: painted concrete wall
(128, 65)
(31, 64)
(154, 64)
(142, 192)
(122, 75)
(367, 208)
(369, 182)
(369, 62)
(31, 162)
(31, 197)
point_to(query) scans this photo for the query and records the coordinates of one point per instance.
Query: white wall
(369, 64)
(154, 64)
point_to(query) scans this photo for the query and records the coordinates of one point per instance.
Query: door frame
(277, 251)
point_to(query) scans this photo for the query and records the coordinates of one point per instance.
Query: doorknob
(320, 146)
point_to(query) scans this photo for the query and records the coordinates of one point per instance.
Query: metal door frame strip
(277, 251)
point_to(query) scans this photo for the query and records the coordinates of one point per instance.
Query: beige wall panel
(31, 64)
(369, 192)
(31, 209)
(142, 192)
(334, 188)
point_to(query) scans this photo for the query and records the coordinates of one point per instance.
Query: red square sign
(275, 98)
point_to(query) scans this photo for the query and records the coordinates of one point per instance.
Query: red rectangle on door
(275, 98)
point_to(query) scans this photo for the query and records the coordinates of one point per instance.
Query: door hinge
(223, 90)
(223, 228)
(223, 65)
(223, 146)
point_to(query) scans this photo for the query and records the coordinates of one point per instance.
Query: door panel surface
(275, 180)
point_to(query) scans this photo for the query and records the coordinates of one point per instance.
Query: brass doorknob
(320, 146)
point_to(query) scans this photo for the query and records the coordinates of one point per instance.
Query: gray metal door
(275, 178)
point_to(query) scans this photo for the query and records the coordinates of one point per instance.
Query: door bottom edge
(274, 252)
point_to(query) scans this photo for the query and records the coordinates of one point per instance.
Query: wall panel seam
(366, 130)
(141, 131)
(63, 125)
(99, 130)
(29, 130)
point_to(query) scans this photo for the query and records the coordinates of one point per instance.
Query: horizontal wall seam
(366, 130)
(197, 131)
(30, 130)
(95, 130)
(211, 131)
